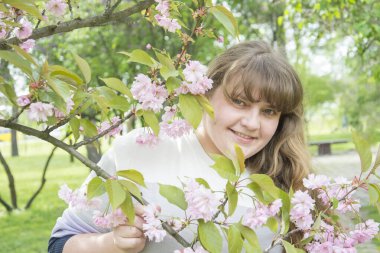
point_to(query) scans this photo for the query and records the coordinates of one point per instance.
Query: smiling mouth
(243, 136)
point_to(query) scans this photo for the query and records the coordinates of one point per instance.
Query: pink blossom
(167, 23)
(40, 111)
(23, 100)
(220, 39)
(169, 113)
(58, 114)
(316, 181)
(149, 139)
(301, 217)
(255, 217)
(175, 129)
(65, 193)
(105, 125)
(3, 31)
(56, 7)
(348, 205)
(150, 95)
(152, 225)
(303, 199)
(113, 219)
(28, 45)
(24, 31)
(175, 224)
(202, 202)
(274, 207)
(365, 231)
(163, 7)
(194, 71)
(148, 46)
(69, 105)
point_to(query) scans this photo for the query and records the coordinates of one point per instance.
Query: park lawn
(29, 231)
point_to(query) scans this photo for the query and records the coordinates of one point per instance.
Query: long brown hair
(251, 68)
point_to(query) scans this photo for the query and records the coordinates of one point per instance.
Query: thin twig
(68, 26)
(15, 117)
(11, 181)
(94, 138)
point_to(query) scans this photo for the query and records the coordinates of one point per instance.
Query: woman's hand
(130, 238)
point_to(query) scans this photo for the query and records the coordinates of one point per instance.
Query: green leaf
(107, 97)
(205, 103)
(152, 121)
(132, 175)
(16, 61)
(167, 69)
(235, 241)
(140, 56)
(240, 158)
(202, 182)
(88, 127)
(26, 6)
(167, 73)
(132, 188)
(128, 208)
(75, 124)
(190, 109)
(9, 92)
(174, 195)
(172, 83)
(285, 210)
(251, 237)
(289, 248)
(84, 67)
(255, 188)
(59, 87)
(377, 160)
(233, 196)
(24, 54)
(210, 237)
(48, 95)
(364, 150)
(225, 17)
(117, 84)
(59, 71)
(95, 187)
(224, 167)
(272, 224)
(335, 202)
(266, 183)
(373, 193)
(115, 192)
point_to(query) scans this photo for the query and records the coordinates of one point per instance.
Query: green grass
(29, 231)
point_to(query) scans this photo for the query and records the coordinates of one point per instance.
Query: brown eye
(269, 111)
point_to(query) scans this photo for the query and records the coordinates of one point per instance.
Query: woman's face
(251, 125)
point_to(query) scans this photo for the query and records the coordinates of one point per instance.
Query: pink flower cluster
(25, 30)
(105, 125)
(327, 240)
(77, 199)
(202, 202)
(152, 225)
(340, 189)
(196, 82)
(23, 100)
(111, 220)
(198, 249)
(28, 45)
(173, 127)
(40, 111)
(300, 214)
(56, 7)
(69, 106)
(149, 139)
(258, 216)
(163, 19)
(150, 95)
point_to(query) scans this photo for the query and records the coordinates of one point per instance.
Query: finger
(139, 221)
(139, 209)
(130, 243)
(125, 231)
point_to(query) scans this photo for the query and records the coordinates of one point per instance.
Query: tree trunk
(14, 145)
(12, 187)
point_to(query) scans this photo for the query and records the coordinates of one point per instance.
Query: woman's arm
(122, 239)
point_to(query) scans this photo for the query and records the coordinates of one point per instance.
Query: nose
(251, 119)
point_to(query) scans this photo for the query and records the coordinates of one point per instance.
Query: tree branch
(101, 20)
(6, 205)
(46, 137)
(92, 139)
(12, 187)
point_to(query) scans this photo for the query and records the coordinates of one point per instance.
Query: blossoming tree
(169, 98)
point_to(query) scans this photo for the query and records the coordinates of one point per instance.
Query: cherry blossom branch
(95, 21)
(94, 138)
(109, 8)
(66, 119)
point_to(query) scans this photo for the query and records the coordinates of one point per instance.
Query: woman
(257, 101)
